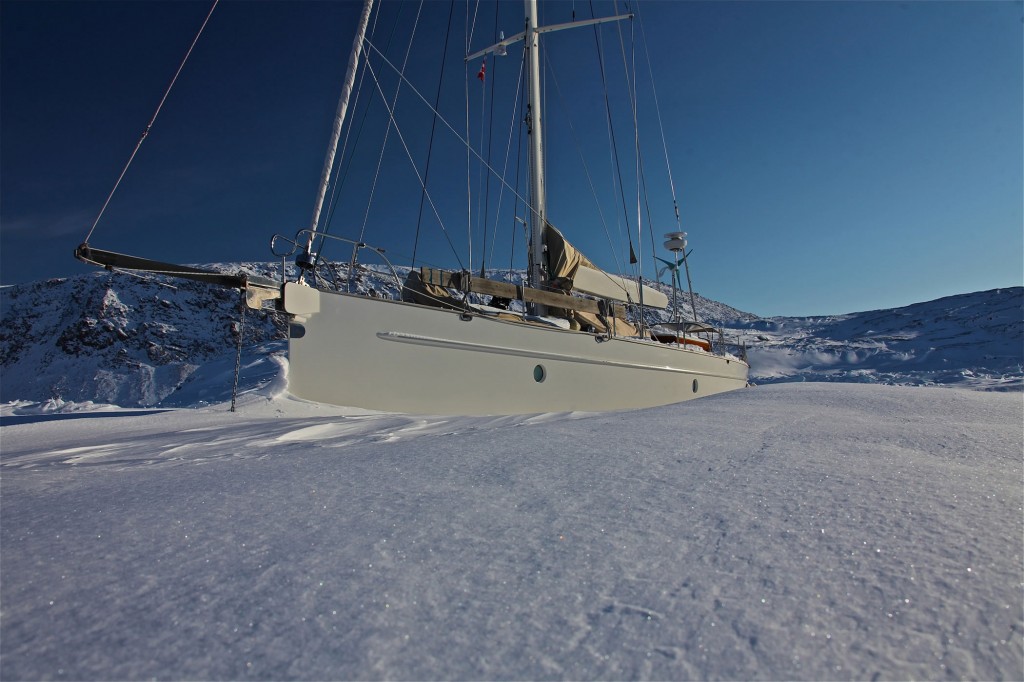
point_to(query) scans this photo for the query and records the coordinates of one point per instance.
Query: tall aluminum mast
(339, 119)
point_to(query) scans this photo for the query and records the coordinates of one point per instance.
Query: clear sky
(829, 157)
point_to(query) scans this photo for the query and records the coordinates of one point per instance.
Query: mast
(339, 118)
(538, 214)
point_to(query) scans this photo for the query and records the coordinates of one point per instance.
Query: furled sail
(569, 269)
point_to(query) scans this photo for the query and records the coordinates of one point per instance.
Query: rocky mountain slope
(118, 339)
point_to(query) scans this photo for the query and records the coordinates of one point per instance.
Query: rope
(238, 354)
(145, 133)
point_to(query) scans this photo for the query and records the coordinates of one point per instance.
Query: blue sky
(829, 157)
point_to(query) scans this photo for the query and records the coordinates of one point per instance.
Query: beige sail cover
(564, 259)
(569, 269)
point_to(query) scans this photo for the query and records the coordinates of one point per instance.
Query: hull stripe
(435, 342)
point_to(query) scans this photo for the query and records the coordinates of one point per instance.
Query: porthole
(694, 385)
(539, 374)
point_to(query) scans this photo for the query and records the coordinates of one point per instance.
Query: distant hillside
(971, 340)
(135, 341)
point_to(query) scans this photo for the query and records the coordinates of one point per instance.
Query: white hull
(401, 357)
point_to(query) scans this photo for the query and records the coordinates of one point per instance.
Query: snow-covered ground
(791, 531)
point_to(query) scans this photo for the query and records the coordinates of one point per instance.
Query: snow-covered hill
(972, 340)
(134, 342)
(124, 340)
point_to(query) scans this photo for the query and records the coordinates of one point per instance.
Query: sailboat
(572, 337)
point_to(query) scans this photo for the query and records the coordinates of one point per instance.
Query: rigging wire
(480, 168)
(632, 85)
(344, 162)
(433, 129)
(490, 140)
(448, 125)
(516, 107)
(145, 133)
(583, 162)
(632, 89)
(469, 187)
(631, 94)
(519, 171)
(611, 131)
(668, 164)
(650, 218)
(391, 124)
(401, 138)
(586, 170)
(471, 29)
(657, 109)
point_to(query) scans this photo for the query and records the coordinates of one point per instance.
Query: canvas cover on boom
(569, 270)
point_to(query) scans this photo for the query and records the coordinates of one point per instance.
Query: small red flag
(483, 71)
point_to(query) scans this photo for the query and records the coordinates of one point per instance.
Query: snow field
(797, 531)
